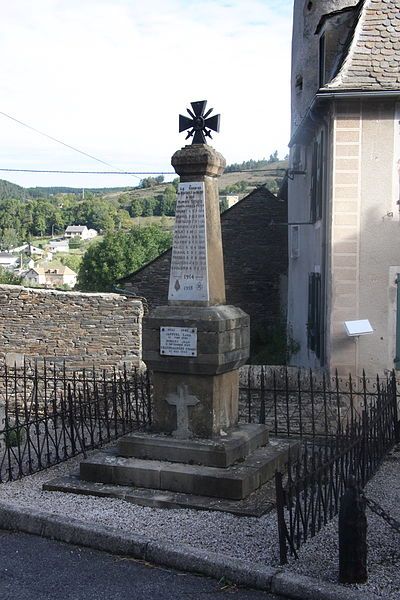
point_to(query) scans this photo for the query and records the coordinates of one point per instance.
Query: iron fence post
(280, 504)
(393, 389)
(352, 536)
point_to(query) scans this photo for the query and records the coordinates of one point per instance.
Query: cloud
(111, 76)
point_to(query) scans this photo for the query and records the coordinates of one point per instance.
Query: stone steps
(234, 482)
(221, 452)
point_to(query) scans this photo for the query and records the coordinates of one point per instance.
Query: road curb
(184, 558)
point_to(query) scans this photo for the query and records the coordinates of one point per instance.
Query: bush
(13, 437)
(75, 242)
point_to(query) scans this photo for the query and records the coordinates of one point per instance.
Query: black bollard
(352, 536)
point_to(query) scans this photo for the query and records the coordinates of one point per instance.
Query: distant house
(80, 231)
(228, 201)
(59, 245)
(8, 261)
(57, 276)
(28, 249)
(51, 276)
(35, 276)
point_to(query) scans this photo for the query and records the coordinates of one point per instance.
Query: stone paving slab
(256, 505)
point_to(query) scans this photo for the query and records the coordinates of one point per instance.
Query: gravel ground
(241, 537)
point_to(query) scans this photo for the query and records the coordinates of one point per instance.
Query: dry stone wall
(83, 329)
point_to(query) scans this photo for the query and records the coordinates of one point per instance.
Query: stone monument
(197, 343)
(194, 347)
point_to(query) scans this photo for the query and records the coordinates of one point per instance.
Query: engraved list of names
(189, 278)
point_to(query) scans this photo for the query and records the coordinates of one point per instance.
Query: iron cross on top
(200, 124)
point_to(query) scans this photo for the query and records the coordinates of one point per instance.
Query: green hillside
(12, 191)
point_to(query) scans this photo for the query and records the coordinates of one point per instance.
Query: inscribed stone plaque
(178, 341)
(189, 276)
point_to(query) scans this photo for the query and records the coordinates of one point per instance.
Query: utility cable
(50, 137)
(91, 172)
(273, 173)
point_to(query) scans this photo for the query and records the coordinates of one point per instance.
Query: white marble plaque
(178, 341)
(189, 271)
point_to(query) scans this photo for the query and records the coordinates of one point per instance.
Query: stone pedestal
(197, 396)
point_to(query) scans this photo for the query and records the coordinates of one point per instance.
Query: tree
(136, 207)
(169, 201)
(119, 254)
(73, 261)
(75, 243)
(223, 205)
(6, 277)
(273, 158)
(9, 238)
(149, 204)
(149, 182)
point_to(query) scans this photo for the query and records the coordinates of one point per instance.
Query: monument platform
(245, 488)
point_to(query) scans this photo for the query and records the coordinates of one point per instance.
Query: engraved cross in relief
(182, 400)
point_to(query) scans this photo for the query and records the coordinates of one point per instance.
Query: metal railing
(308, 494)
(50, 414)
(303, 403)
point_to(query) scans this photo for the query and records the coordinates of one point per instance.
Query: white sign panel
(178, 341)
(359, 327)
(189, 277)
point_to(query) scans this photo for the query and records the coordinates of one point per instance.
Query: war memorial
(196, 453)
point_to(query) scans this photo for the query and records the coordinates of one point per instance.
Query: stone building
(254, 237)
(343, 197)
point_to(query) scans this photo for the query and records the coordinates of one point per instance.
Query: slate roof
(372, 60)
(76, 228)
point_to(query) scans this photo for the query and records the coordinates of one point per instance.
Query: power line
(272, 172)
(91, 172)
(50, 137)
(275, 172)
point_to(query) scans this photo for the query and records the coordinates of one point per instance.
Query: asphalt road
(34, 568)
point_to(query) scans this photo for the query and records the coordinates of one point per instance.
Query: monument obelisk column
(196, 344)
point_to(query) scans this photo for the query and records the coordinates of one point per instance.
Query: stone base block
(221, 452)
(223, 339)
(212, 404)
(235, 482)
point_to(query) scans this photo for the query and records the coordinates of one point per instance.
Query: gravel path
(254, 539)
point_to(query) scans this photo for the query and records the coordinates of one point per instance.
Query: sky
(110, 77)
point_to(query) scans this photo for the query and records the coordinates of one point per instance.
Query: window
(317, 177)
(294, 241)
(298, 158)
(315, 319)
(322, 65)
(299, 83)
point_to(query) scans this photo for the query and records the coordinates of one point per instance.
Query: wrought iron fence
(303, 403)
(50, 414)
(308, 495)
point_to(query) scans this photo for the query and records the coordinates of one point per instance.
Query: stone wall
(103, 330)
(254, 238)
